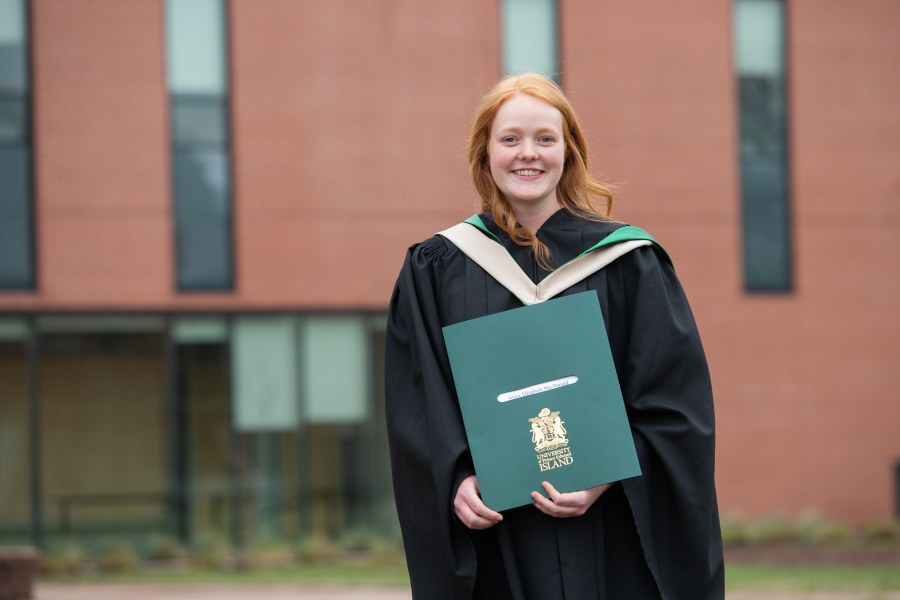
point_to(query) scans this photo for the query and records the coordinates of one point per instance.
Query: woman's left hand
(570, 504)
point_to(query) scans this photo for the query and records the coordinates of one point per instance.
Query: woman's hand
(570, 504)
(470, 509)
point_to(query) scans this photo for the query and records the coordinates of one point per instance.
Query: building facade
(204, 205)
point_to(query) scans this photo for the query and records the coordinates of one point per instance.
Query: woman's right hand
(470, 509)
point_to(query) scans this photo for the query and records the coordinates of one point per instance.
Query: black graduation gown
(653, 536)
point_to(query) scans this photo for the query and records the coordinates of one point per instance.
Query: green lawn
(810, 579)
(310, 574)
(738, 577)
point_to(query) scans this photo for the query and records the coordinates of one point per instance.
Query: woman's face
(527, 151)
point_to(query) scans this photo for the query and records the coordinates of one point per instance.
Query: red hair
(577, 191)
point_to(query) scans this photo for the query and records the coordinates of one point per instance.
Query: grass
(378, 575)
(812, 578)
(738, 577)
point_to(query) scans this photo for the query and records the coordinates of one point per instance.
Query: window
(192, 430)
(16, 230)
(198, 88)
(15, 440)
(102, 393)
(529, 37)
(759, 51)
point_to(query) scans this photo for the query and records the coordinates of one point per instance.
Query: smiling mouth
(527, 172)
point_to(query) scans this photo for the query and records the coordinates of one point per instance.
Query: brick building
(199, 239)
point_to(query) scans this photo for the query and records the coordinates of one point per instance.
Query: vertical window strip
(16, 202)
(529, 34)
(197, 68)
(759, 33)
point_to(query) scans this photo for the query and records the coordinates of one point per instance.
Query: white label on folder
(537, 389)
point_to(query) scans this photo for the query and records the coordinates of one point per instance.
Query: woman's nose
(527, 152)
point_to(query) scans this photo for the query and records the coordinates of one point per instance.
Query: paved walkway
(48, 591)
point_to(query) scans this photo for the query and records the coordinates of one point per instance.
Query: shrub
(389, 553)
(817, 530)
(266, 554)
(886, 531)
(215, 553)
(318, 550)
(832, 533)
(365, 545)
(735, 531)
(164, 547)
(773, 529)
(360, 539)
(67, 559)
(118, 557)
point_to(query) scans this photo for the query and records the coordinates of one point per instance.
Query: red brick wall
(837, 380)
(806, 383)
(101, 145)
(349, 124)
(350, 128)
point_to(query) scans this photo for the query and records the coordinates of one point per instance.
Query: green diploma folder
(540, 400)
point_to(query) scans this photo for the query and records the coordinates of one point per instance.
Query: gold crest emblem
(549, 437)
(547, 431)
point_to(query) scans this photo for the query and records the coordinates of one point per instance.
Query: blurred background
(204, 205)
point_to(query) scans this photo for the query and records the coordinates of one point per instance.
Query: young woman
(653, 536)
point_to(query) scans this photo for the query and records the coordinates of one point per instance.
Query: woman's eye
(508, 140)
(546, 139)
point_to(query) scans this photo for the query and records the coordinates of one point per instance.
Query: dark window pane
(15, 219)
(13, 75)
(198, 120)
(759, 36)
(13, 120)
(202, 461)
(764, 185)
(15, 501)
(102, 404)
(762, 118)
(196, 48)
(767, 260)
(203, 219)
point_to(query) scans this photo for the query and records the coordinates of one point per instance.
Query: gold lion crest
(547, 431)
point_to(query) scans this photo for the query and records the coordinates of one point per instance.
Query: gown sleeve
(429, 452)
(668, 396)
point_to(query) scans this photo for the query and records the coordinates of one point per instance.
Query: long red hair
(577, 190)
